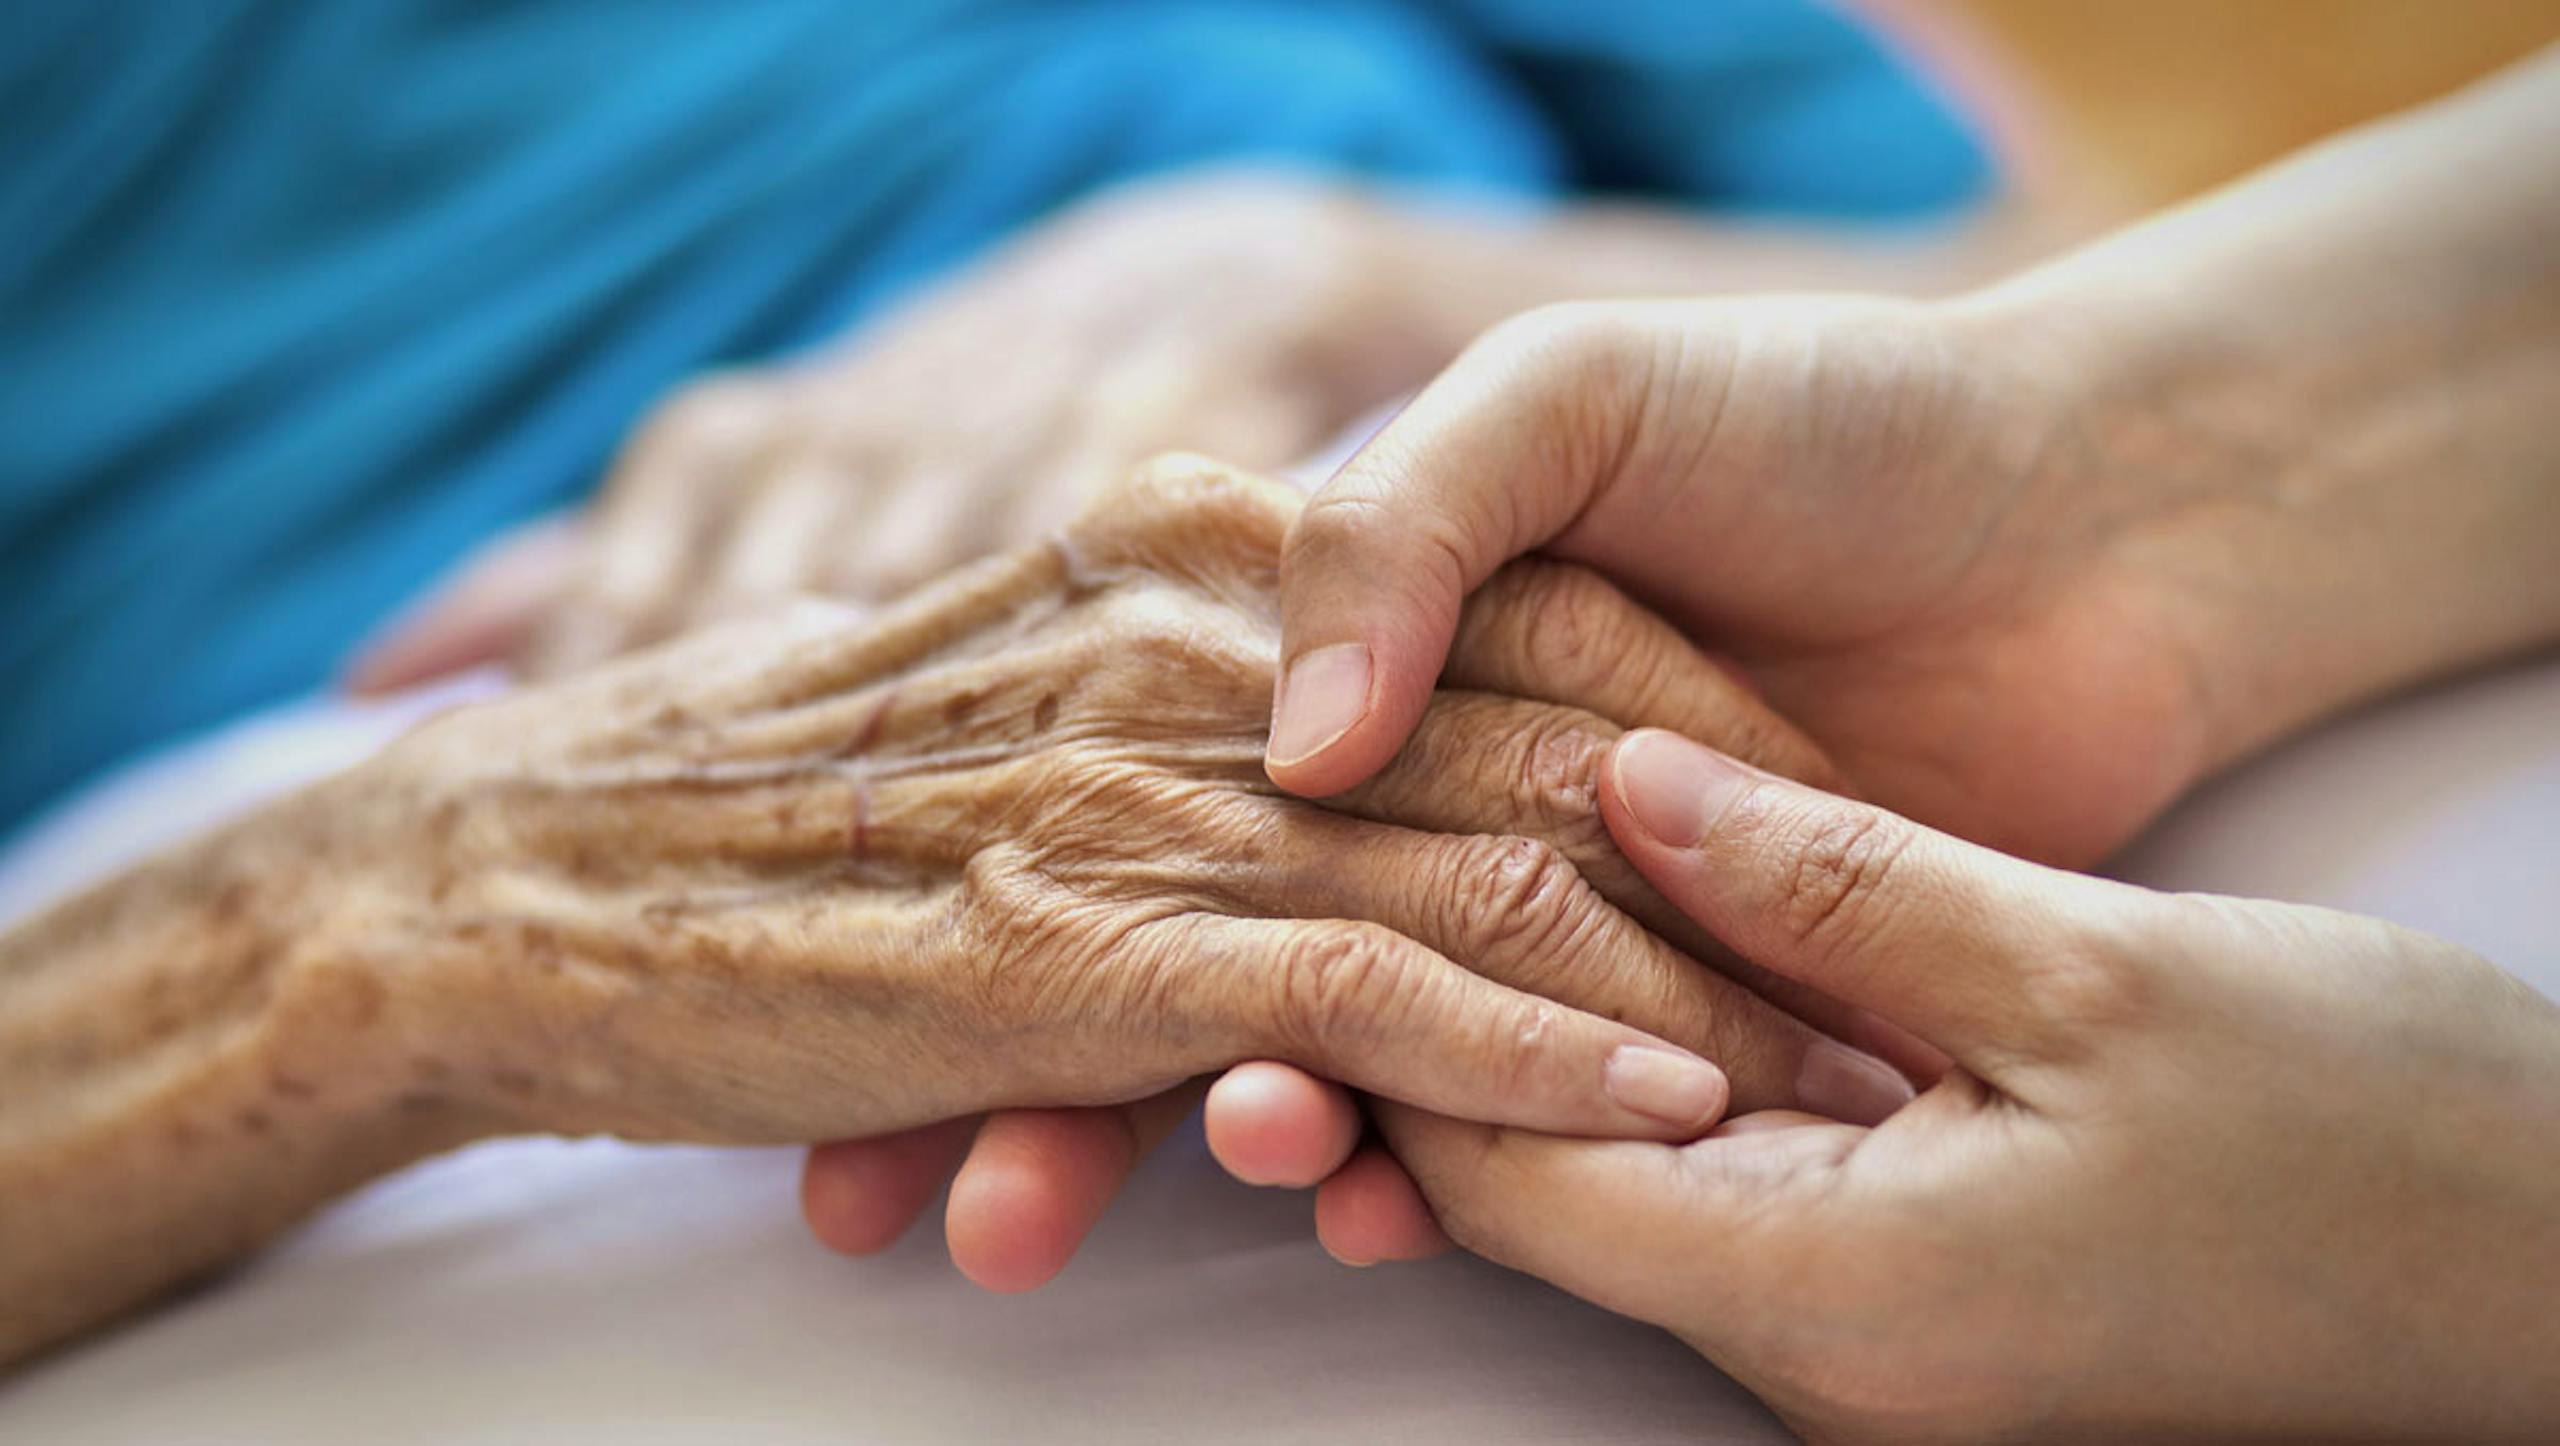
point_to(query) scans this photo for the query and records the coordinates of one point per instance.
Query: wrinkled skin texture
(1006, 843)
(1018, 821)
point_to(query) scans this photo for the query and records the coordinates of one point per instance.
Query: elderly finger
(1516, 911)
(1365, 1005)
(1485, 765)
(779, 542)
(665, 498)
(1560, 633)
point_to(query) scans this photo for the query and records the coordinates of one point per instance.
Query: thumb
(1953, 941)
(1498, 455)
(1646, 1229)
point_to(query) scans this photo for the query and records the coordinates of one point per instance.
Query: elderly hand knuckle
(1839, 885)
(1339, 984)
(1558, 778)
(1575, 627)
(1520, 896)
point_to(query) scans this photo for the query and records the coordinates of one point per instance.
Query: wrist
(2296, 507)
(364, 1011)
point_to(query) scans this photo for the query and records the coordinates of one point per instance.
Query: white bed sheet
(592, 1291)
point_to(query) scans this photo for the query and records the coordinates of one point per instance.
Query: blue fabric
(301, 300)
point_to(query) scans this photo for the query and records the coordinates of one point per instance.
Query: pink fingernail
(1858, 1089)
(1322, 695)
(1673, 787)
(1677, 1089)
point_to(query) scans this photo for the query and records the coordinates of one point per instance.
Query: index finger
(1498, 455)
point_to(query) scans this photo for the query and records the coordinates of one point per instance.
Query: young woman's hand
(2024, 564)
(2204, 1166)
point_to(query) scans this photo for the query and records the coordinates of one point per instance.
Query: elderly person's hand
(1004, 843)
(2205, 1167)
(1007, 842)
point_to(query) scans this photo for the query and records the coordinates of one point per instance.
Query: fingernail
(1677, 1089)
(1855, 1088)
(1345, 1259)
(1321, 696)
(1673, 787)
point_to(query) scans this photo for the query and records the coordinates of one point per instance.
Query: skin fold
(1005, 843)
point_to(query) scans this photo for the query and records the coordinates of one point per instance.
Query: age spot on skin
(512, 1081)
(255, 1122)
(288, 1087)
(1044, 714)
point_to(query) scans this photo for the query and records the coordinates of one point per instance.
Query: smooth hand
(1888, 516)
(2205, 1166)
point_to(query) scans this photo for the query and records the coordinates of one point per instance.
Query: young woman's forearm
(187, 1067)
(2352, 363)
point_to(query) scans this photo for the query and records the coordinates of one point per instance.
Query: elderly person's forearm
(1005, 843)
(194, 1056)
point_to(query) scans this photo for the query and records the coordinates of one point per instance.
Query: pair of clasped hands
(1986, 583)
(2235, 1162)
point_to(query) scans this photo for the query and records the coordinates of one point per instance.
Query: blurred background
(304, 303)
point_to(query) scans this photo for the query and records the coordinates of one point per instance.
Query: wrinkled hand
(2206, 1166)
(1247, 317)
(1035, 1181)
(1008, 843)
